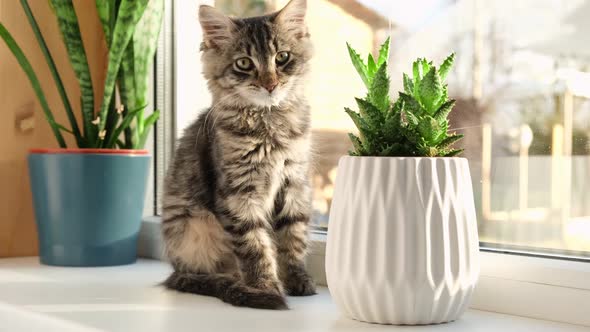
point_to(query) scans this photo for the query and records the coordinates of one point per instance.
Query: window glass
(522, 84)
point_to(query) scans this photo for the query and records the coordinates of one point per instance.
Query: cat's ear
(292, 18)
(217, 27)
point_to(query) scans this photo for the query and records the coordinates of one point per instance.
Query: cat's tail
(225, 287)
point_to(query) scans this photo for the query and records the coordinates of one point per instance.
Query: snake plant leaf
(70, 30)
(55, 74)
(62, 128)
(126, 88)
(446, 66)
(130, 12)
(430, 90)
(36, 85)
(148, 122)
(113, 117)
(112, 137)
(384, 52)
(106, 13)
(145, 43)
(359, 65)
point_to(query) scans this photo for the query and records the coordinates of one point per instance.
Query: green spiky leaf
(417, 71)
(357, 145)
(370, 112)
(371, 66)
(446, 66)
(379, 91)
(453, 153)
(426, 66)
(411, 104)
(443, 112)
(408, 84)
(359, 65)
(356, 119)
(392, 128)
(412, 120)
(429, 129)
(416, 124)
(447, 142)
(430, 90)
(384, 52)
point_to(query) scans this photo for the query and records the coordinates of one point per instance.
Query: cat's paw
(299, 283)
(245, 296)
(267, 300)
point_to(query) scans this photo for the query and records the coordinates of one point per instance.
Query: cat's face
(258, 61)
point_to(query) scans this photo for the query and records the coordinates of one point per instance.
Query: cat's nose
(270, 86)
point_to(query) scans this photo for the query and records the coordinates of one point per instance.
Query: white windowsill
(128, 298)
(542, 288)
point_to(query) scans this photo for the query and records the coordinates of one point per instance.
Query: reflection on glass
(522, 82)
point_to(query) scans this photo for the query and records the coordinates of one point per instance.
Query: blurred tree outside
(541, 115)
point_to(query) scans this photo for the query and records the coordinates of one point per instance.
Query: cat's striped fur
(237, 199)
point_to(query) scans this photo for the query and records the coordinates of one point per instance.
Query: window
(521, 80)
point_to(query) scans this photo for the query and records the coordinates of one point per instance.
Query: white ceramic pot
(402, 241)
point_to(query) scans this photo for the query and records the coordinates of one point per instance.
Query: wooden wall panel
(18, 102)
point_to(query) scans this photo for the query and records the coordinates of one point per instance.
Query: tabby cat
(237, 199)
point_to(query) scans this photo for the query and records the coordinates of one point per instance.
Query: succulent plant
(416, 124)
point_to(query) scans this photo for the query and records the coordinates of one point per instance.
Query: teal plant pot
(88, 204)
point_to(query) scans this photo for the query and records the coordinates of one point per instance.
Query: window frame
(540, 286)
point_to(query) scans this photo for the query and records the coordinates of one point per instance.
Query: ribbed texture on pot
(402, 239)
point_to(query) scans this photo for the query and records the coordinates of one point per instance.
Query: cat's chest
(275, 149)
(267, 140)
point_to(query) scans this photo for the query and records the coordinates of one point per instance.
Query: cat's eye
(282, 58)
(244, 64)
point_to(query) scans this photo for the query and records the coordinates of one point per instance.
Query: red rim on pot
(89, 151)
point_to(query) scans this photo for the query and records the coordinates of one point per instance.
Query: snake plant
(131, 29)
(416, 124)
